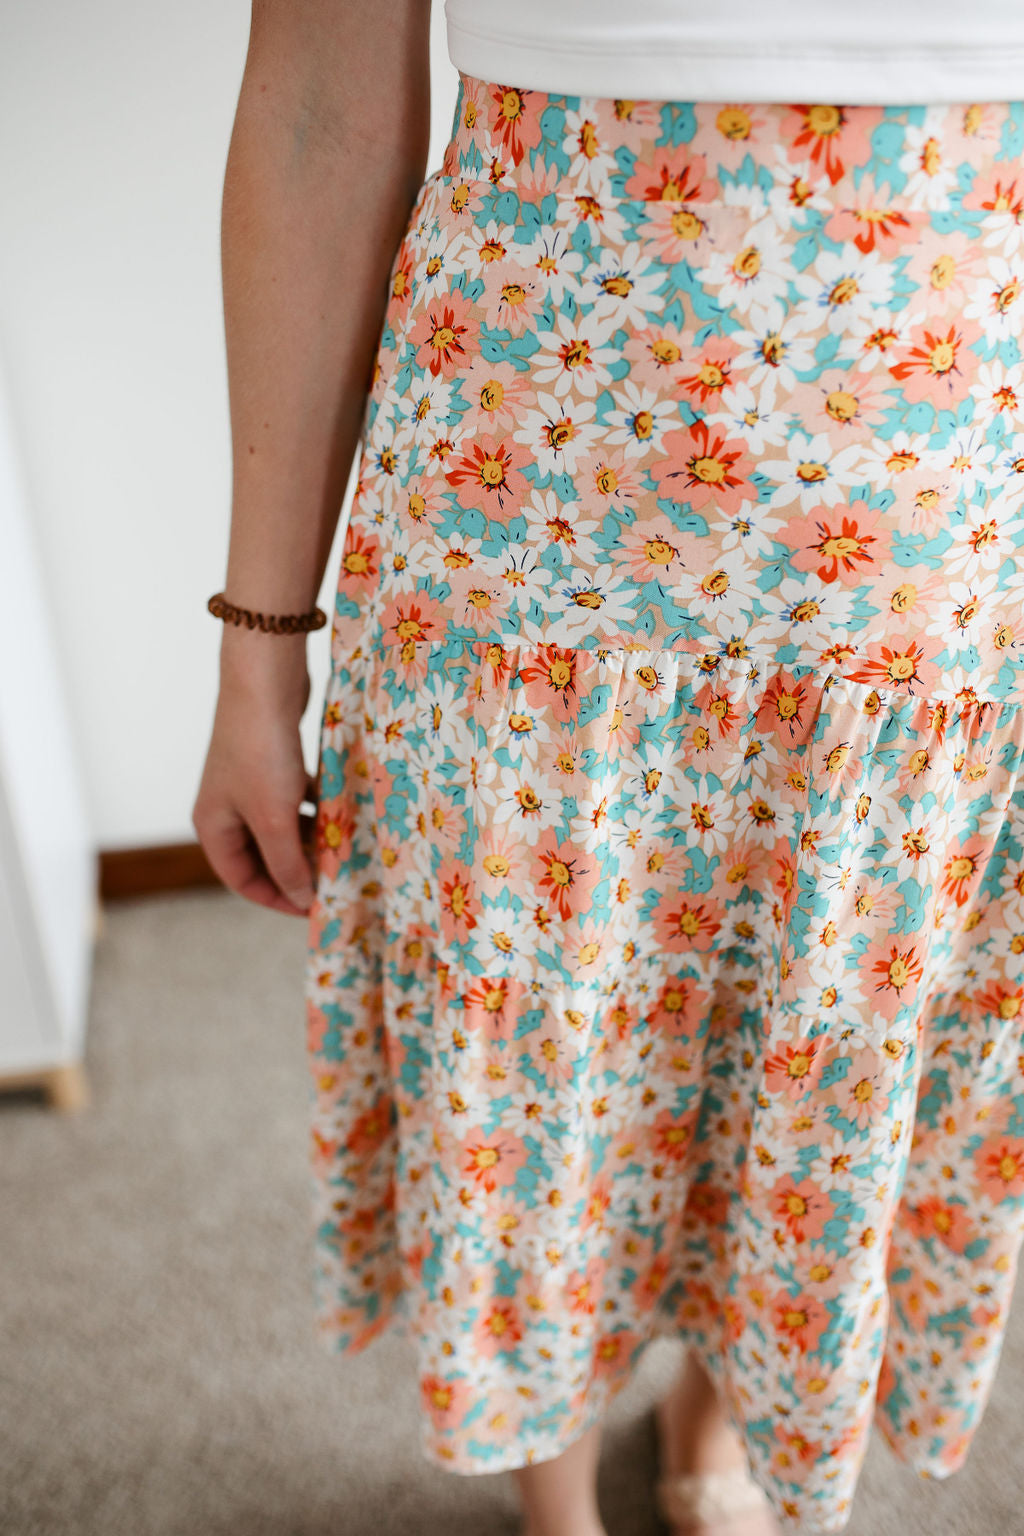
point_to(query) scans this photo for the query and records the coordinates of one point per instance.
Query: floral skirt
(666, 971)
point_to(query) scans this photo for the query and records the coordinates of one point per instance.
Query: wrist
(304, 621)
(251, 661)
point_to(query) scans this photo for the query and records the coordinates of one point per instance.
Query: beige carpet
(158, 1371)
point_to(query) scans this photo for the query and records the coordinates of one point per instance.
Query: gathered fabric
(666, 969)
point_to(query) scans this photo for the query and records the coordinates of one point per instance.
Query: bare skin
(694, 1435)
(327, 154)
(559, 1497)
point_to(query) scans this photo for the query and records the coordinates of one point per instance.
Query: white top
(883, 52)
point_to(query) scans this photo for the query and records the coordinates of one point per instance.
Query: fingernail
(301, 899)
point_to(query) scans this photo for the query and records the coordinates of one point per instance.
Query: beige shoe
(695, 1500)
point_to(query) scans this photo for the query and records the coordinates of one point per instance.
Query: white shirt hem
(658, 69)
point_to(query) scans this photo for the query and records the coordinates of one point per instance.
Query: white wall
(47, 860)
(114, 124)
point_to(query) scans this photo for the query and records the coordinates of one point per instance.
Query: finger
(307, 831)
(235, 859)
(277, 834)
(307, 824)
(265, 893)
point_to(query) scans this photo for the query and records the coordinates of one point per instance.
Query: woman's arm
(327, 154)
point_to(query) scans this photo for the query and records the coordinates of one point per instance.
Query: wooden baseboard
(66, 1088)
(147, 871)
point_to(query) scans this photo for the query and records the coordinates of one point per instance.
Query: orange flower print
(871, 220)
(487, 1006)
(686, 924)
(335, 830)
(785, 707)
(486, 472)
(702, 466)
(830, 137)
(719, 709)
(648, 1272)
(1005, 1003)
(597, 1206)
(1000, 1167)
(372, 1128)
(655, 351)
(498, 1328)
(996, 191)
(672, 1135)
(669, 176)
(550, 678)
(444, 334)
(801, 1208)
(938, 365)
(651, 556)
(401, 281)
(678, 1007)
(563, 878)
(457, 903)
(960, 873)
(513, 123)
(784, 880)
(611, 1350)
(845, 544)
(359, 560)
(496, 666)
(444, 1399)
(733, 1320)
(794, 1068)
(710, 375)
(795, 1448)
(799, 1320)
(948, 1221)
(411, 620)
(898, 665)
(896, 972)
(491, 1160)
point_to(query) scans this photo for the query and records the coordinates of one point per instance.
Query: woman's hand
(246, 813)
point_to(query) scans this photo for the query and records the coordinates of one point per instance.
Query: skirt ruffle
(659, 993)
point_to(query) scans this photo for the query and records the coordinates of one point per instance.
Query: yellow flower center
(686, 225)
(733, 123)
(942, 357)
(841, 405)
(748, 263)
(824, 121)
(511, 106)
(943, 271)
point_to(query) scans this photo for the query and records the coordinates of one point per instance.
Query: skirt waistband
(882, 161)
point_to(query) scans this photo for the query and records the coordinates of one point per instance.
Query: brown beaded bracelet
(269, 623)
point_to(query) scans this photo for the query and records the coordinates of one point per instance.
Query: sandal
(700, 1499)
(696, 1500)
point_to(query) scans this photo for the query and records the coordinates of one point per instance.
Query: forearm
(320, 178)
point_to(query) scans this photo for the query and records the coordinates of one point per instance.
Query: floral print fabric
(665, 973)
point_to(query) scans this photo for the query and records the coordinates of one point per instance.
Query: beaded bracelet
(269, 623)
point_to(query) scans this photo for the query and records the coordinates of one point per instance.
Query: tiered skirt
(666, 973)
